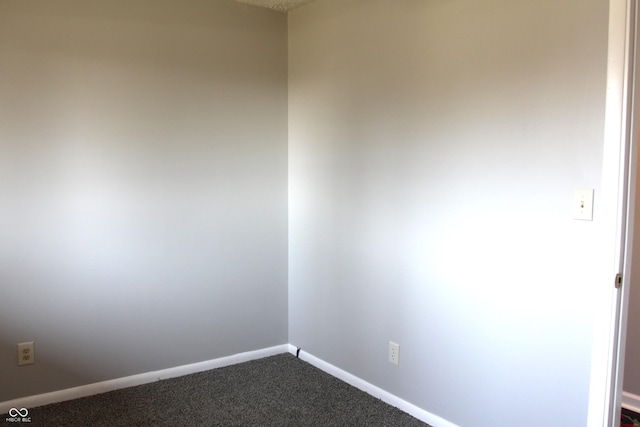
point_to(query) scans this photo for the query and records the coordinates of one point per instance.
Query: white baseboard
(134, 380)
(377, 392)
(631, 401)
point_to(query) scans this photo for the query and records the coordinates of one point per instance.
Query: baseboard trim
(373, 390)
(631, 401)
(139, 379)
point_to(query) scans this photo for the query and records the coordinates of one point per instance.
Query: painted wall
(631, 382)
(434, 148)
(143, 180)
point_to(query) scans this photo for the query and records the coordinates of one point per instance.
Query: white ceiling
(281, 5)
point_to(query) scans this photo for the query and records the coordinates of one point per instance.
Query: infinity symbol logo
(23, 412)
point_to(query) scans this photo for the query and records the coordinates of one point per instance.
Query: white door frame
(617, 210)
(633, 143)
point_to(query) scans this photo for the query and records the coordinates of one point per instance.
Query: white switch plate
(583, 204)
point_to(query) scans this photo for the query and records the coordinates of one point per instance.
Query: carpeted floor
(275, 391)
(629, 419)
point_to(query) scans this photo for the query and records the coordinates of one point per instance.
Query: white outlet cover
(394, 353)
(583, 204)
(26, 349)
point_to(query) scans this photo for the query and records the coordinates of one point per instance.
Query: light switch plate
(583, 204)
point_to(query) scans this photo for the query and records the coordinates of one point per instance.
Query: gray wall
(143, 183)
(632, 356)
(434, 147)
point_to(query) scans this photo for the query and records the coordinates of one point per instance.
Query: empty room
(417, 197)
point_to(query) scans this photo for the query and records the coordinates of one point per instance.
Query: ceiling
(281, 5)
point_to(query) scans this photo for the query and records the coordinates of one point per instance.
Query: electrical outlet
(26, 355)
(394, 353)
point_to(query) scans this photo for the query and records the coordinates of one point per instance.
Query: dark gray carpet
(275, 391)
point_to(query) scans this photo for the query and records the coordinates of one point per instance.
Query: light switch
(583, 204)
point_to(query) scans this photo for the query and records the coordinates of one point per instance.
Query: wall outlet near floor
(26, 355)
(394, 353)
